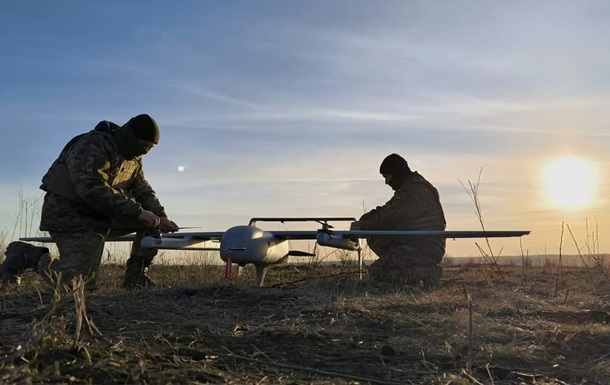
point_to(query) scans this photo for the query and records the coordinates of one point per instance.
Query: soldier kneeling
(415, 205)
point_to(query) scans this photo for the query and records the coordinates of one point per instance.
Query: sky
(287, 108)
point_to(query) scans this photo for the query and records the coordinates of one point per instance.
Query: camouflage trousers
(80, 254)
(406, 265)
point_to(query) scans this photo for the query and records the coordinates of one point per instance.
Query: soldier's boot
(427, 276)
(20, 256)
(136, 277)
(433, 276)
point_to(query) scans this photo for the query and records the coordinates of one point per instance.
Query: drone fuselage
(249, 244)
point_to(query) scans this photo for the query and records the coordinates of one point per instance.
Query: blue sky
(286, 108)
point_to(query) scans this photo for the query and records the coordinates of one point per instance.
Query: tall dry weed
(487, 252)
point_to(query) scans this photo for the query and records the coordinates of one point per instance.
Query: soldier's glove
(149, 219)
(168, 226)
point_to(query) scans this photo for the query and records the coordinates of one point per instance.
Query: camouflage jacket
(92, 186)
(414, 206)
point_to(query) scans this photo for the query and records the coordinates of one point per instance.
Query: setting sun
(570, 182)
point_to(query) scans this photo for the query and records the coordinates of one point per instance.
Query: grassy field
(312, 324)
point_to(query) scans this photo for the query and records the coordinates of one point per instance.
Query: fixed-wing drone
(246, 244)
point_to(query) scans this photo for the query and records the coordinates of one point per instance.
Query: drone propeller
(325, 224)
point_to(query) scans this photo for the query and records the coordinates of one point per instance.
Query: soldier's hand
(168, 226)
(149, 219)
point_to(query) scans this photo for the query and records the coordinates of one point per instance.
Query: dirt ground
(311, 325)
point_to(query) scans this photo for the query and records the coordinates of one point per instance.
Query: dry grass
(312, 325)
(315, 323)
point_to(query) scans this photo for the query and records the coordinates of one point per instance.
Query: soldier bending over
(95, 190)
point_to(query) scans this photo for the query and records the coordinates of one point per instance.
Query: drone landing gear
(261, 272)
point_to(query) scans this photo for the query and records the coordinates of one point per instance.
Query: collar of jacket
(127, 143)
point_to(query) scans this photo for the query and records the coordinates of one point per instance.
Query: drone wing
(355, 234)
(204, 240)
(348, 239)
(191, 240)
(123, 238)
(432, 233)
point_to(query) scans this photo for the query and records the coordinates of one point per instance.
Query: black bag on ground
(19, 257)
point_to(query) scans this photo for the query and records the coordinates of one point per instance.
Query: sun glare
(570, 182)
